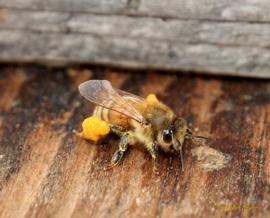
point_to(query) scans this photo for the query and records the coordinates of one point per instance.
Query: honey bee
(137, 120)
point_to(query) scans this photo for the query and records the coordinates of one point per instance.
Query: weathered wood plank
(63, 48)
(238, 34)
(238, 10)
(229, 48)
(46, 171)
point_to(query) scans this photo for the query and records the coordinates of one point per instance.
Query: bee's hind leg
(118, 130)
(118, 155)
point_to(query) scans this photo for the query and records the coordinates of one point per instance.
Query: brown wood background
(214, 37)
(45, 171)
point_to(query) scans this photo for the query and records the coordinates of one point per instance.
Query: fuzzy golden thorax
(167, 130)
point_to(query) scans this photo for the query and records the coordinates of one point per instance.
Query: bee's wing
(102, 93)
(130, 96)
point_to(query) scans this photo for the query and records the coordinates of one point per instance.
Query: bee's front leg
(123, 145)
(152, 148)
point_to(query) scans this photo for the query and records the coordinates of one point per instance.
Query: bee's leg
(118, 130)
(123, 145)
(152, 148)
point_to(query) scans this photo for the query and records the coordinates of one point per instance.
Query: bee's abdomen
(98, 112)
(111, 116)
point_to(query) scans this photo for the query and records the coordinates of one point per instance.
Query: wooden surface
(46, 171)
(214, 37)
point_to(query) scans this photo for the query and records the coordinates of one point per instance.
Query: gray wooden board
(242, 10)
(187, 31)
(63, 32)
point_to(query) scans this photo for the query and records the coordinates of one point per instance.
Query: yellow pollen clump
(152, 98)
(94, 128)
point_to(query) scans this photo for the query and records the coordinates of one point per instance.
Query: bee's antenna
(181, 155)
(199, 137)
(190, 135)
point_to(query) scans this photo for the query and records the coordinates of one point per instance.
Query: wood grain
(46, 171)
(211, 37)
(238, 10)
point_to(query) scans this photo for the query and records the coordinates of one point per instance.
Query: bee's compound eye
(167, 135)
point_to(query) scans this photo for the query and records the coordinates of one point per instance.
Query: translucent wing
(102, 93)
(130, 96)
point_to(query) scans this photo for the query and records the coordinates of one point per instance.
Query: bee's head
(171, 138)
